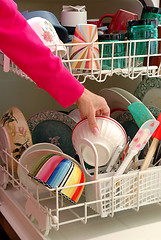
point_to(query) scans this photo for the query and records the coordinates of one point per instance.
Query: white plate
(116, 101)
(41, 148)
(75, 115)
(28, 160)
(149, 92)
(129, 96)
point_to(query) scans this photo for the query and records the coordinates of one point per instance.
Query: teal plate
(53, 127)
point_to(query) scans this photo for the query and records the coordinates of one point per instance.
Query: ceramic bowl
(110, 137)
(15, 135)
(61, 30)
(28, 161)
(58, 171)
(47, 33)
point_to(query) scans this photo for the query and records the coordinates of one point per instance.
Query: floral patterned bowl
(15, 136)
(47, 33)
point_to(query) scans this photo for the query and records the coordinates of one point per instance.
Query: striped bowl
(59, 171)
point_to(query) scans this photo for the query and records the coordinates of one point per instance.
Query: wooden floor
(6, 231)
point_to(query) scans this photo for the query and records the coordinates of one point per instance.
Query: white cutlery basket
(108, 194)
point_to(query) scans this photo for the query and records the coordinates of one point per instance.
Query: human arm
(22, 45)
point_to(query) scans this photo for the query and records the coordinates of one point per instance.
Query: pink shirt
(22, 45)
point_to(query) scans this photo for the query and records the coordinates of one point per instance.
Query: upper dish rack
(132, 68)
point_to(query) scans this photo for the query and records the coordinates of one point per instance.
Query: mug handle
(104, 16)
(91, 145)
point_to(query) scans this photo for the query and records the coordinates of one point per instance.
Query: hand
(90, 105)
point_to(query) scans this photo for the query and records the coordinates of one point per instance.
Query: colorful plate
(58, 171)
(149, 92)
(53, 127)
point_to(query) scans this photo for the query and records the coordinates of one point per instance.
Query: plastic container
(140, 30)
(109, 51)
(151, 12)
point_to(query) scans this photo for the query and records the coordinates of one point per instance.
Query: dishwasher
(125, 206)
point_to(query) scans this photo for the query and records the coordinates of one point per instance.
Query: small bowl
(111, 135)
(61, 30)
(59, 171)
(47, 33)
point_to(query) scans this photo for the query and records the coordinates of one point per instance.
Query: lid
(139, 22)
(112, 36)
(151, 9)
(76, 8)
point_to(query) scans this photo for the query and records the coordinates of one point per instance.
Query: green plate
(149, 92)
(53, 127)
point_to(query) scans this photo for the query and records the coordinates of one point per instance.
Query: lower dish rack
(110, 194)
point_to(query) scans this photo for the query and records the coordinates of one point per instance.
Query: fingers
(93, 123)
(105, 109)
(90, 105)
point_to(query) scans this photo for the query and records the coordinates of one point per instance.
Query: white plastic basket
(108, 194)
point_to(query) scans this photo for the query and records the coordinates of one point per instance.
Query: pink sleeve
(22, 45)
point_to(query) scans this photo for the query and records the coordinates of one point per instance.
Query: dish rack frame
(131, 70)
(112, 193)
(49, 210)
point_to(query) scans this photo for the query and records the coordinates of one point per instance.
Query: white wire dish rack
(110, 194)
(131, 67)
